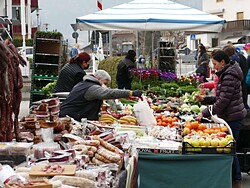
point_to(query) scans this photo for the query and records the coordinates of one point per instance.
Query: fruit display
(191, 126)
(163, 120)
(199, 138)
(126, 119)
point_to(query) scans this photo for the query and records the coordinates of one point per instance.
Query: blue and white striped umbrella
(151, 15)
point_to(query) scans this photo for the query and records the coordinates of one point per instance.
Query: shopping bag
(216, 119)
(144, 114)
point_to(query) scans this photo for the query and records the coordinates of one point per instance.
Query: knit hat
(83, 56)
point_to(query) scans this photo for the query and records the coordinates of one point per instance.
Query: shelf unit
(166, 56)
(47, 63)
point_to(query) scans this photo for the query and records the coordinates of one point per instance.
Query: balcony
(237, 25)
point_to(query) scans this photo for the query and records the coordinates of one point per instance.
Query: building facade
(12, 10)
(237, 26)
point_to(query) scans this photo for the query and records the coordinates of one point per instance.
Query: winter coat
(85, 99)
(70, 75)
(123, 75)
(228, 102)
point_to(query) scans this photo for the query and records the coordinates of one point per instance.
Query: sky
(59, 14)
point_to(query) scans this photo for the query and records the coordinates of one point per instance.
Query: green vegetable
(47, 90)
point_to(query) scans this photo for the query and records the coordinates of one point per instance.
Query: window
(220, 15)
(15, 13)
(240, 15)
(218, 1)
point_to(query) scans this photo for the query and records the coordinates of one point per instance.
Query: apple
(201, 141)
(230, 137)
(215, 142)
(195, 142)
(207, 142)
(223, 142)
(186, 131)
(222, 134)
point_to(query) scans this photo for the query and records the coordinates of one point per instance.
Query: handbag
(216, 119)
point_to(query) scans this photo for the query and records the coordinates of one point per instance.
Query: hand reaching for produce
(137, 93)
(199, 97)
(199, 117)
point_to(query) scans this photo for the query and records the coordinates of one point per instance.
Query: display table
(189, 171)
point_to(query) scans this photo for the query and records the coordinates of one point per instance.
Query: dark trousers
(236, 172)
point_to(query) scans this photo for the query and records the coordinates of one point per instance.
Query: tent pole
(137, 44)
(110, 44)
(152, 49)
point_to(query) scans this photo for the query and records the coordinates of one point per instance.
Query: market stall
(173, 170)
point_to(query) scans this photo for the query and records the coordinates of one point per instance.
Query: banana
(130, 119)
(108, 116)
(122, 121)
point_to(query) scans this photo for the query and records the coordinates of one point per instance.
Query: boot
(237, 184)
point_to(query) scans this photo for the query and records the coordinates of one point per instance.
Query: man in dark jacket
(72, 73)
(123, 76)
(85, 99)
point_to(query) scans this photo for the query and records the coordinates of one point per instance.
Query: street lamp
(37, 17)
(46, 26)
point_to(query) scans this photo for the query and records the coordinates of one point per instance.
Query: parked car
(29, 51)
(186, 55)
(29, 57)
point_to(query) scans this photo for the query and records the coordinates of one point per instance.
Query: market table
(189, 171)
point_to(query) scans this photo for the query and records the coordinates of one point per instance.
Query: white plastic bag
(144, 114)
(216, 119)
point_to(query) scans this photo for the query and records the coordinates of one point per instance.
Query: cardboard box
(38, 184)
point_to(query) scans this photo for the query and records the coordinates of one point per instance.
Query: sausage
(101, 158)
(113, 157)
(75, 181)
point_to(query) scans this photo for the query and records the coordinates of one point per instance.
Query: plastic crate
(230, 148)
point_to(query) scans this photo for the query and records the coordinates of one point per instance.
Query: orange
(194, 124)
(202, 126)
(224, 129)
(215, 127)
(206, 131)
(164, 123)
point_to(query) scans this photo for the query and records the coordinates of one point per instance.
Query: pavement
(184, 69)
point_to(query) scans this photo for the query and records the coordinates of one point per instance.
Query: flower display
(152, 76)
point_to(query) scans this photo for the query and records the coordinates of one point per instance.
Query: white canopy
(151, 15)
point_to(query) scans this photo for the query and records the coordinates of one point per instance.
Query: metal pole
(137, 44)
(29, 18)
(110, 44)
(23, 24)
(152, 48)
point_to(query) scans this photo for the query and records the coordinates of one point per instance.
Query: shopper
(123, 76)
(85, 99)
(74, 51)
(72, 73)
(203, 63)
(241, 60)
(227, 103)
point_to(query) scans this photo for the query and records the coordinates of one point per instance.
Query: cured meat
(10, 91)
